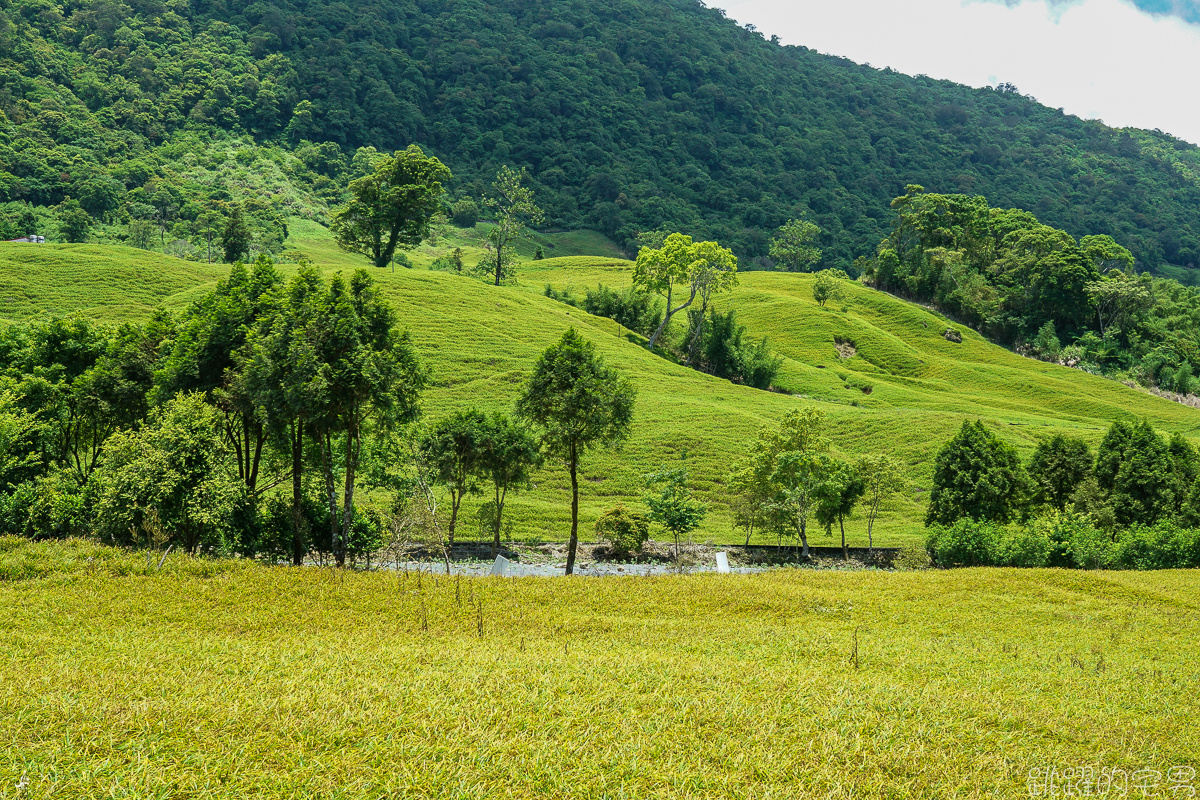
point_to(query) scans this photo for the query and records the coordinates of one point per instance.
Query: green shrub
(624, 531)
(1021, 546)
(465, 213)
(1164, 546)
(45, 508)
(638, 311)
(966, 543)
(912, 557)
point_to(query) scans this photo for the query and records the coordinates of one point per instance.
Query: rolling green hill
(481, 342)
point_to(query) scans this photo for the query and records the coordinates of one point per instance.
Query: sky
(1129, 65)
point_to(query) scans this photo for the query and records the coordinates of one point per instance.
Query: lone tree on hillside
(793, 245)
(976, 475)
(392, 207)
(830, 285)
(579, 403)
(514, 208)
(698, 268)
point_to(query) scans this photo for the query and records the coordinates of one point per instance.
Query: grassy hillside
(216, 680)
(482, 341)
(105, 282)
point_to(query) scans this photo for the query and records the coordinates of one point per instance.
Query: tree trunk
(803, 541)
(259, 439)
(870, 525)
(842, 525)
(500, 497)
(297, 493)
(335, 527)
(574, 511)
(499, 260)
(352, 444)
(455, 501)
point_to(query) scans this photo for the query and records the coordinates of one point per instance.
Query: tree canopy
(578, 403)
(391, 207)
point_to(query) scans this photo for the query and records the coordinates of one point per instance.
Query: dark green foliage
(1057, 467)
(465, 213)
(451, 263)
(74, 222)
(392, 206)
(1063, 541)
(235, 237)
(508, 456)
(1135, 468)
(18, 220)
(977, 475)
(167, 483)
(45, 508)
(627, 115)
(837, 497)
(1057, 540)
(624, 531)
(963, 543)
(727, 354)
(638, 311)
(1162, 546)
(1034, 287)
(453, 452)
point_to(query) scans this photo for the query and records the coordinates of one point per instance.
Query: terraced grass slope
(210, 679)
(482, 341)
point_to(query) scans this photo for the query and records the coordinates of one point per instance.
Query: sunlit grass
(234, 681)
(482, 341)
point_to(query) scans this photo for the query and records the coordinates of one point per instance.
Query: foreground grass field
(226, 680)
(482, 341)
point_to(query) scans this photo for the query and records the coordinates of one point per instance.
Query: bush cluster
(1063, 540)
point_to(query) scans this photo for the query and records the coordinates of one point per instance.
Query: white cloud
(1099, 59)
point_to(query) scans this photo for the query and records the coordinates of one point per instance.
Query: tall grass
(277, 682)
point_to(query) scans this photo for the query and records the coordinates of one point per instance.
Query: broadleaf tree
(794, 245)
(672, 505)
(393, 206)
(696, 269)
(509, 455)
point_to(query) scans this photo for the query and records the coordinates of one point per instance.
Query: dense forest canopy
(628, 115)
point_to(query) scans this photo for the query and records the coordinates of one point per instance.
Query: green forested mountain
(628, 114)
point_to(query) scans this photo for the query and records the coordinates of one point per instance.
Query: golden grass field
(213, 679)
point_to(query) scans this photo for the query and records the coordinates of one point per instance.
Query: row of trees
(1032, 286)
(790, 481)
(187, 431)
(1136, 476)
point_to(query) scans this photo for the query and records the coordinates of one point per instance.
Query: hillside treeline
(629, 115)
(1028, 285)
